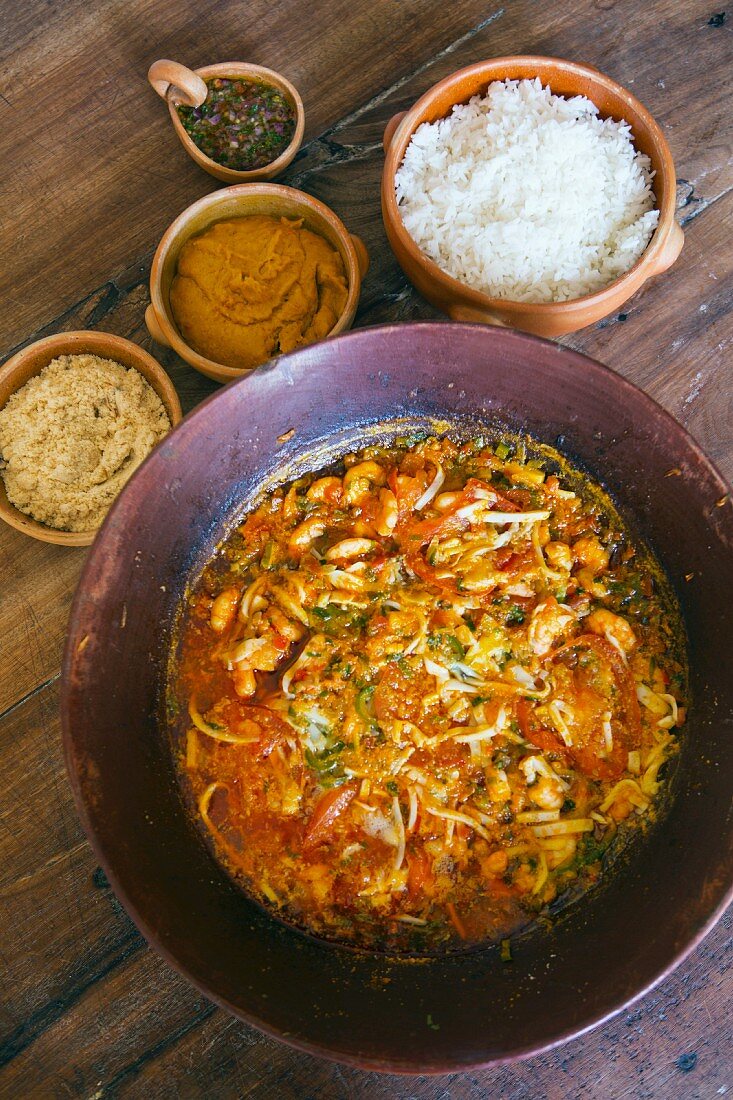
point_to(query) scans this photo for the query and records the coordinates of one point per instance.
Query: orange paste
(249, 288)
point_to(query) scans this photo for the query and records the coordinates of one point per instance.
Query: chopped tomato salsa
(242, 124)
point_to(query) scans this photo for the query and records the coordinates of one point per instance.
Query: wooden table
(91, 176)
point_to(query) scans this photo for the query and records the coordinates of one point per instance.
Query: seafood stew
(428, 693)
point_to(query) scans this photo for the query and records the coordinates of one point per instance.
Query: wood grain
(86, 1009)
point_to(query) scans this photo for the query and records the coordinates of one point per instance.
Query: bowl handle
(362, 256)
(153, 326)
(670, 250)
(390, 128)
(482, 316)
(190, 88)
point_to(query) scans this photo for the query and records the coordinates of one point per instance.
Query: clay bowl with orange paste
(240, 202)
(566, 78)
(32, 359)
(179, 85)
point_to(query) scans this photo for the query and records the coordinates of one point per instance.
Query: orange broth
(428, 694)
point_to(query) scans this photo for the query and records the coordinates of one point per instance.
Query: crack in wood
(29, 695)
(133, 1068)
(102, 301)
(696, 204)
(56, 860)
(30, 1030)
(380, 97)
(335, 154)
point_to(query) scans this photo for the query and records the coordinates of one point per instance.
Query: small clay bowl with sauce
(240, 202)
(31, 361)
(180, 86)
(566, 78)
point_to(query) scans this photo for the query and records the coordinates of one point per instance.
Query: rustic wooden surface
(91, 175)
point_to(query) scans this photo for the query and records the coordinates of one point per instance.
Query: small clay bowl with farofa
(31, 361)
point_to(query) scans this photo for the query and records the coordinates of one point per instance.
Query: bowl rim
(151, 932)
(630, 279)
(177, 229)
(267, 76)
(80, 342)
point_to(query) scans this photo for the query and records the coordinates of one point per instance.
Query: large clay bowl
(566, 78)
(361, 1007)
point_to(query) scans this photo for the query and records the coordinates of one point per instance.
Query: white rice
(526, 195)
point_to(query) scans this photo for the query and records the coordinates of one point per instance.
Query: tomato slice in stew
(330, 805)
(537, 733)
(602, 691)
(419, 872)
